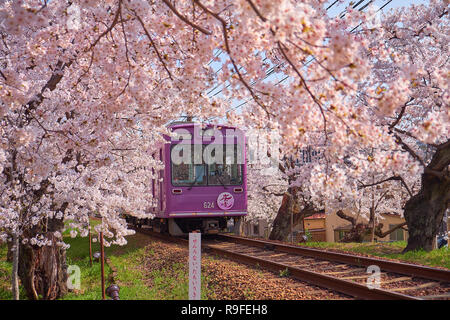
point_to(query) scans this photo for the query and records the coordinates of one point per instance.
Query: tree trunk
(372, 217)
(288, 210)
(10, 253)
(15, 267)
(372, 224)
(282, 223)
(43, 270)
(238, 226)
(424, 212)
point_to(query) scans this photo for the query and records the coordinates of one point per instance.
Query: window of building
(397, 235)
(339, 234)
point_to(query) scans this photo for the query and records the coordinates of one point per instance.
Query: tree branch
(342, 215)
(258, 13)
(408, 149)
(317, 102)
(186, 20)
(397, 178)
(154, 45)
(228, 50)
(400, 115)
(384, 234)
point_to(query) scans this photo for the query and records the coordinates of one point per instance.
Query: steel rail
(343, 286)
(391, 266)
(328, 282)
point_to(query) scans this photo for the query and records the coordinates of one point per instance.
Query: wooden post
(292, 225)
(102, 258)
(195, 265)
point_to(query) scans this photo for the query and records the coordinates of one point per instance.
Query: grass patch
(5, 276)
(90, 280)
(123, 258)
(153, 271)
(392, 250)
(136, 280)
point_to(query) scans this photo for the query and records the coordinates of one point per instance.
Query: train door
(162, 200)
(154, 199)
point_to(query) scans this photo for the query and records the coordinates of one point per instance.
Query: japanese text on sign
(194, 266)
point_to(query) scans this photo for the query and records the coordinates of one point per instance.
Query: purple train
(204, 180)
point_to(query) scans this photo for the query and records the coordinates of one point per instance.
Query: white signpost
(195, 265)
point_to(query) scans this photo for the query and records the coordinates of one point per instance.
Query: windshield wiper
(195, 181)
(220, 180)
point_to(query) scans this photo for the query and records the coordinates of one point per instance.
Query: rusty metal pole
(90, 246)
(102, 258)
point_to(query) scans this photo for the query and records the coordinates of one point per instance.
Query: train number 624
(207, 204)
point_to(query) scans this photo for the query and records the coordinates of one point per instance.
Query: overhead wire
(269, 72)
(272, 69)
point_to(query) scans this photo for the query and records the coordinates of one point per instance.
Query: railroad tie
(422, 286)
(396, 280)
(276, 255)
(247, 251)
(303, 260)
(299, 265)
(437, 296)
(336, 266)
(347, 271)
(319, 263)
(359, 277)
(260, 255)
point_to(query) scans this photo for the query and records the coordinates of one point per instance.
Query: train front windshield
(213, 167)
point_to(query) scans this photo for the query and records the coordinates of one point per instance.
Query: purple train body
(204, 181)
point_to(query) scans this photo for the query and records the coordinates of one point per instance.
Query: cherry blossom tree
(369, 204)
(297, 200)
(264, 193)
(274, 193)
(417, 118)
(390, 130)
(43, 186)
(86, 88)
(84, 83)
(393, 132)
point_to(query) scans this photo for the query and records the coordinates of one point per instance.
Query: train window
(188, 174)
(227, 173)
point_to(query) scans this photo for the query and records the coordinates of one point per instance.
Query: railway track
(344, 273)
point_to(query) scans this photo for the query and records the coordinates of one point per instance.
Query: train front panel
(205, 178)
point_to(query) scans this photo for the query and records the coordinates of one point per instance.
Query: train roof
(181, 124)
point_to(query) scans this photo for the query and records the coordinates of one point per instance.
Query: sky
(338, 8)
